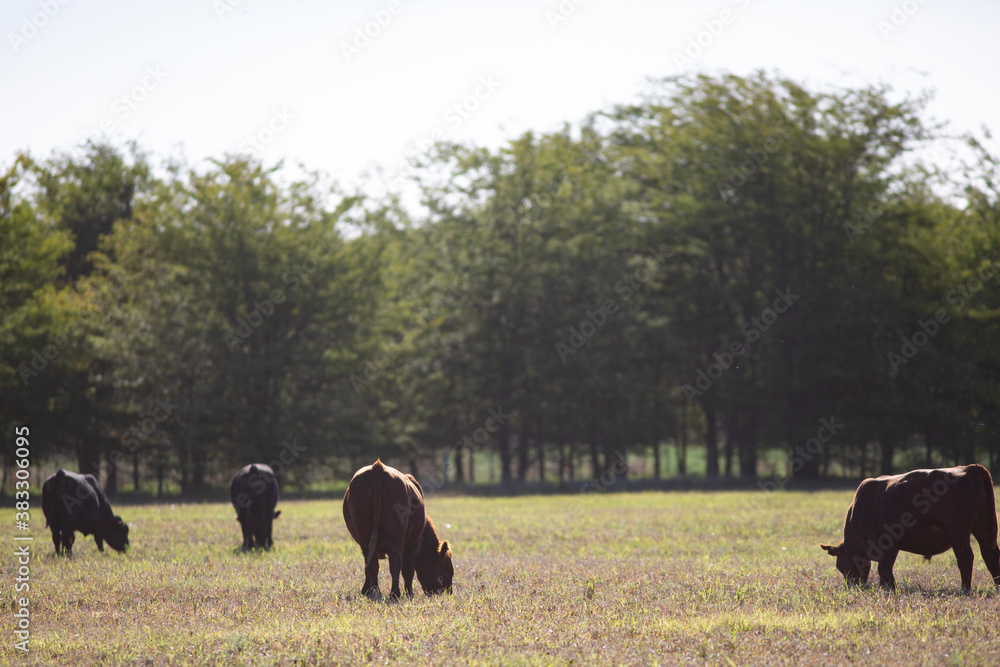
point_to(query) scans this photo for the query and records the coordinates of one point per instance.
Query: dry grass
(650, 578)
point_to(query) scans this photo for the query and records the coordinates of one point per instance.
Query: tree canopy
(739, 271)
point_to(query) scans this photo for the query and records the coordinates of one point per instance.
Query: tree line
(741, 267)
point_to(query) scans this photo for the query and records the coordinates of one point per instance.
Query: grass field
(645, 578)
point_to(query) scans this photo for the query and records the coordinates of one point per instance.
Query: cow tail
(988, 494)
(378, 473)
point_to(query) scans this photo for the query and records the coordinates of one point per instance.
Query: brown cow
(924, 512)
(384, 512)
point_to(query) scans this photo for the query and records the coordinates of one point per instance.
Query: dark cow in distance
(384, 512)
(74, 502)
(924, 512)
(254, 492)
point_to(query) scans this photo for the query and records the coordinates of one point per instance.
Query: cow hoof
(373, 594)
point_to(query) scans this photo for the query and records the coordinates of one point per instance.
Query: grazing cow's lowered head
(384, 512)
(925, 512)
(116, 534)
(434, 567)
(852, 564)
(254, 492)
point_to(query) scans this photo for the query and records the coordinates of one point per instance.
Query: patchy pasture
(645, 578)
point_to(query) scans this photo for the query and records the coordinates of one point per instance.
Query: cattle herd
(924, 512)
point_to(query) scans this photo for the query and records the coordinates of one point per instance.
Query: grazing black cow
(74, 502)
(254, 493)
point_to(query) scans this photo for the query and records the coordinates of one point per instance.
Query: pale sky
(198, 77)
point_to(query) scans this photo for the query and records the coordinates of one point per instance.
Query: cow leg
(989, 550)
(409, 565)
(268, 526)
(67, 540)
(56, 539)
(370, 589)
(247, 530)
(395, 565)
(885, 578)
(963, 553)
(100, 543)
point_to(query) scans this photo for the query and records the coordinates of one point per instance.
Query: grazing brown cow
(924, 512)
(384, 512)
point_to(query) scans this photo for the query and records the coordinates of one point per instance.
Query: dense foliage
(737, 264)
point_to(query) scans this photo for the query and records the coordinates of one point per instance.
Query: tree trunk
(87, 459)
(711, 444)
(135, 472)
(656, 460)
(459, 472)
(729, 447)
(505, 458)
(183, 453)
(682, 444)
(887, 448)
(748, 448)
(595, 461)
(522, 456)
(111, 483)
(540, 448)
(199, 460)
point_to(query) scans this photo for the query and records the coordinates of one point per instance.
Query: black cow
(254, 492)
(74, 502)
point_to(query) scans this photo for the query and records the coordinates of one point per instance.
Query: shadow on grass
(915, 589)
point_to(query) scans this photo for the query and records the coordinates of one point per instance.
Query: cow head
(437, 572)
(117, 537)
(853, 566)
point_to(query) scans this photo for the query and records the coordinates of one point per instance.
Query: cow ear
(830, 549)
(444, 548)
(276, 514)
